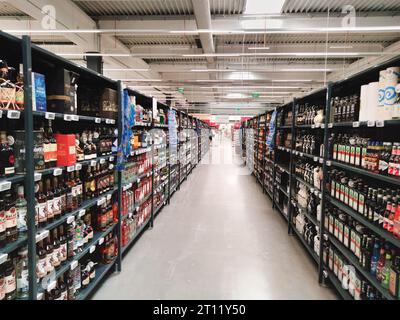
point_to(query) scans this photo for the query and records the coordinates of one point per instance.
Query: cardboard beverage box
(66, 149)
(61, 91)
(38, 92)
(109, 104)
(88, 101)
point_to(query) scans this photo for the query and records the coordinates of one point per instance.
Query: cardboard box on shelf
(66, 149)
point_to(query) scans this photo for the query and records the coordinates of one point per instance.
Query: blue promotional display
(272, 128)
(38, 92)
(128, 121)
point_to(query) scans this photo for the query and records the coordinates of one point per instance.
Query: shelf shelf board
(312, 188)
(101, 271)
(305, 244)
(280, 210)
(10, 247)
(379, 231)
(283, 167)
(354, 261)
(82, 163)
(73, 118)
(13, 179)
(335, 282)
(135, 236)
(282, 189)
(373, 124)
(305, 212)
(85, 205)
(67, 264)
(388, 179)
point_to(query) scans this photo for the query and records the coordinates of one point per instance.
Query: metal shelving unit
(324, 97)
(30, 56)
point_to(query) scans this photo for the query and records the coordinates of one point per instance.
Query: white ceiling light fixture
(294, 80)
(141, 80)
(211, 70)
(126, 69)
(263, 7)
(341, 47)
(307, 70)
(259, 48)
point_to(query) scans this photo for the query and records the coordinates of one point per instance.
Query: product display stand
(346, 265)
(91, 140)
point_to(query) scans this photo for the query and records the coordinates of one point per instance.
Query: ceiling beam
(236, 25)
(70, 17)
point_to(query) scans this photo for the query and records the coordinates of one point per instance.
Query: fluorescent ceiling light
(263, 7)
(341, 47)
(259, 48)
(125, 69)
(254, 87)
(94, 54)
(210, 70)
(306, 70)
(293, 80)
(141, 80)
(212, 55)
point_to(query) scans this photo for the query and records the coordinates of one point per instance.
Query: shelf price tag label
(101, 201)
(356, 124)
(67, 117)
(111, 166)
(3, 257)
(57, 171)
(92, 249)
(1, 113)
(93, 163)
(330, 125)
(102, 160)
(380, 123)
(6, 185)
(321, 160)
(322, 125)
(316, 159)
(70, 168)
(112, 121)
(70, 219)
(371, 123)
(111, 158)
(74, 264)
(78, 166)
(51, 285)
(40, 236)
(37, 176)
(81, 213)
(108, 196)
(101, 240)
(50, 115)
(97, 120)
(328, 163)
(13, 114)
(75, 117)
(108, 121)
(313, 126)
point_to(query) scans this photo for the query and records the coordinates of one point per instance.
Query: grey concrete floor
(218, 239)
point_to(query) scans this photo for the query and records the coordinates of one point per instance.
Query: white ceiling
(165, 42)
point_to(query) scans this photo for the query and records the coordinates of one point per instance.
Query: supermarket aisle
(218, 239)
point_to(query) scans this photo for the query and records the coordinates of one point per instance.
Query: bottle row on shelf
(335, 178)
